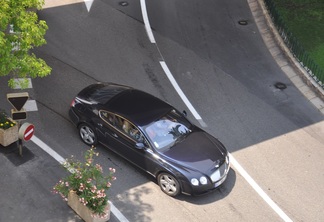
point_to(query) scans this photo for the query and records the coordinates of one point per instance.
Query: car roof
(139, 107)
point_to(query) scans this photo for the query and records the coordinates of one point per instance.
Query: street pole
(19, 140)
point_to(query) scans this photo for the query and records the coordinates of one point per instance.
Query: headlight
(202, 180)
(194, 182)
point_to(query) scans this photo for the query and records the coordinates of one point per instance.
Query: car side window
(122, 125)
(108, 117)
(132, 131)
(119, 122)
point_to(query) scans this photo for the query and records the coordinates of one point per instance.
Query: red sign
(26, 131)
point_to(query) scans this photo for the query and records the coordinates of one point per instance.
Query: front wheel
(169, 184)
(87, 134)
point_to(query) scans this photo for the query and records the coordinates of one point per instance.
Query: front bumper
(188, 188)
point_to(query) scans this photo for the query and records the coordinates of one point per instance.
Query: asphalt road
(228, 75)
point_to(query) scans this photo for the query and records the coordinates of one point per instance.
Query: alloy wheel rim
(168, 184)
(87, 135)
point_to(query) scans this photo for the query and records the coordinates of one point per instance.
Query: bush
(88, 181)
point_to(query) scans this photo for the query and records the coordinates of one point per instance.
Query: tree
(20, 32)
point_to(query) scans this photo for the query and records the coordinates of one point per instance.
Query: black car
(152, 135)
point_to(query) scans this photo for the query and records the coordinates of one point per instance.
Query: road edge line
(258, 189)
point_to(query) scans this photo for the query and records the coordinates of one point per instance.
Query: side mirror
(139, 146)
(184, 113)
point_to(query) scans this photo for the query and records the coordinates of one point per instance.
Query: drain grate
(243, 22)
(280, 85)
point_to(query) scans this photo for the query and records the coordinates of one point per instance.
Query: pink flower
(78, 176)
(81, 187)
(82, 200)
(89, 161)
(101, 193)
(93, 189)
(113, 170)
(99, 167)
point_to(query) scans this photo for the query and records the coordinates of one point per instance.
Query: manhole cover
(280, 85)
(123, 3)
(243, 22)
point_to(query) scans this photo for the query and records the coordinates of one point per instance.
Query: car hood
(199, 151)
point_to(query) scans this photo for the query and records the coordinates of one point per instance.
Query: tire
(169, 184)
(87, 134)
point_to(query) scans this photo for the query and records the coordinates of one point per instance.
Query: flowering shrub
(5, 122)
(88, 181)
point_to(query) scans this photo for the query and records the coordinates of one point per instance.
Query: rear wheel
(169, 184)
(87, 134)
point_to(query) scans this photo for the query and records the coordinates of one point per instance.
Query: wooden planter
(8, 136)
(83, 211)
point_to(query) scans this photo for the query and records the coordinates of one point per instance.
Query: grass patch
(305, 20)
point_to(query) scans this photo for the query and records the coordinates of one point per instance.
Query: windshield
(167, 130)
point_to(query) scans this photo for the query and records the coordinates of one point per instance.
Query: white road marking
(88, 4)
(181, 94)
(61, 160)
(234, 163)
(166, 69)
(147, 22)
(30, 105)
(258, 189)
(117, 213)
(47, 149)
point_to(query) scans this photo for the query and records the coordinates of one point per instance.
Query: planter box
(8, 136)
(83, 211)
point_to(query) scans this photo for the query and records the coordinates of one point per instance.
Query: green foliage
(305, 19)
(5, 122)
(21, 31)
(88, 181)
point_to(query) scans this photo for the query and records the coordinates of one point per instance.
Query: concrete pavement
(26, 186)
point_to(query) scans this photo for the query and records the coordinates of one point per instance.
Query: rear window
(101, 93)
